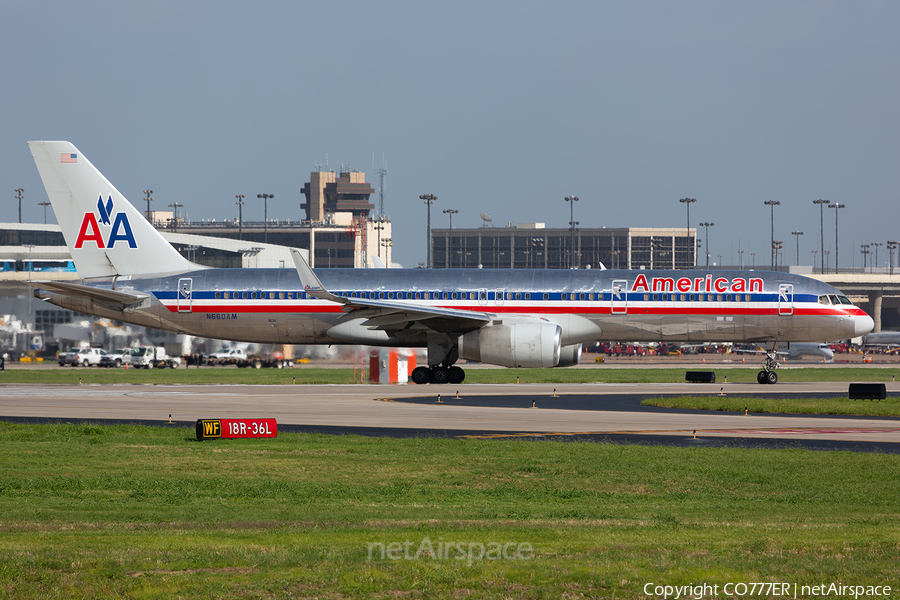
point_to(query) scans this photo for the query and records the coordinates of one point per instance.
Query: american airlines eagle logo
(103, 228)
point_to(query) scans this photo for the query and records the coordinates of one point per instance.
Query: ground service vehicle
(148, 357)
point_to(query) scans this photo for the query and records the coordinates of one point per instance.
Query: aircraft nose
(862, 325)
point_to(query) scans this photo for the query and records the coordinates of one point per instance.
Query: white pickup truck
(232, 356)
(81, 357)
(116, 358)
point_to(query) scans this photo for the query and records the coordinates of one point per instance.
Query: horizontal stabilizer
(110, 297)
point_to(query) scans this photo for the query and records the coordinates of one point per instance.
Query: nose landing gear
(768, 374)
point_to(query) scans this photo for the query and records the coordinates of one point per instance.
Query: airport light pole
(387, 243)
(450, 212)
(687, 203)
(572, 200)
(265, 199)
(836, 206)
(864, 250)
(378, 226)
(175, 205)
(240, 205)
(45, 204)
(797, 235)
(707, 226)
(822, 204)
(891, 245)
(148, 198)
(772, 204)
(753, 254)
(20, 194)
(776, 246)
(429, 199)
(876, 244)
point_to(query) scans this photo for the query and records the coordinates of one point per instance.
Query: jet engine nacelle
(523, 344)
(570, 355)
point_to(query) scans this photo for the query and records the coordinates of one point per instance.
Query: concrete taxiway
(588, 409)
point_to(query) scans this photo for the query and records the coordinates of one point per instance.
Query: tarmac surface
(607, 412)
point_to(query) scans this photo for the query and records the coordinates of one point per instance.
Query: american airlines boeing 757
(512, 318)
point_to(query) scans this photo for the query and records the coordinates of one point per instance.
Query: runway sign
(214, 429)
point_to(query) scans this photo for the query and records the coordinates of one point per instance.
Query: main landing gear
(768, 374)
(438, 374)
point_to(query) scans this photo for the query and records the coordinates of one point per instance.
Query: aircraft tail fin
(106, 235)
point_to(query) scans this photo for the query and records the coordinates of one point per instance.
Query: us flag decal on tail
(68, 157)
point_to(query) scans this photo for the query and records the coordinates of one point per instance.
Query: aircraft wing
(115, 298)
(392, 315)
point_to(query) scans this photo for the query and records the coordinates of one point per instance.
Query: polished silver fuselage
(270, 305)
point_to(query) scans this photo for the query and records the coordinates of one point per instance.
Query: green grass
(889, 407)
(91, 511)
(317, 375)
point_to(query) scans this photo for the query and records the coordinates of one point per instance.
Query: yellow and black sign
(209, 429)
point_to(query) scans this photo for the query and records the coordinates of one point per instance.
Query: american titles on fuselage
(697, 284)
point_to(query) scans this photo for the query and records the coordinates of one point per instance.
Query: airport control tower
(327, 194)
(341, 200)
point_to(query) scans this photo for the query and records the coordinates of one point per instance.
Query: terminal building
(533, 246)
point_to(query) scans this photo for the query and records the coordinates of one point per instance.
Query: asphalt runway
(610, 412)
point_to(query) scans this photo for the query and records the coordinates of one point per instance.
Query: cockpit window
(824, 300)
(834, 299)
(845, 300)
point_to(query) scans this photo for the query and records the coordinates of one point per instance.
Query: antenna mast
(382, 172)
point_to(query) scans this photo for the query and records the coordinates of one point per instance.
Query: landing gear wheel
(456, 375)
(440, 375)
(771, 377)
(761, 377)
(421, 375)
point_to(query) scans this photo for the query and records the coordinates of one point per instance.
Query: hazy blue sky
(497, 107)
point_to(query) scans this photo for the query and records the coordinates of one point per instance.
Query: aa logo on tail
(91, 231)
